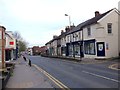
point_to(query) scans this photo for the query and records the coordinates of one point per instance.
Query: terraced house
(98, 37)
(11, 46)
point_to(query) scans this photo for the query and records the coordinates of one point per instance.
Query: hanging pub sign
(11, 43)
(107, 47)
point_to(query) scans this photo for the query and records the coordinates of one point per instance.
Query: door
(100, 49)
(81, 50)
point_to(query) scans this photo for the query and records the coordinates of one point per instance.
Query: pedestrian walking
(29, 62)
(24, 58)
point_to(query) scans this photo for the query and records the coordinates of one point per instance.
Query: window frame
(87, 48)
(109, 28)
(89, 31)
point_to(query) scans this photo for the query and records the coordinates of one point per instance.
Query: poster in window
(107, 47)
(100, 47)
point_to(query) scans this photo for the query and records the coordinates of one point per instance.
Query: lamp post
(69, 20)
(70, 35)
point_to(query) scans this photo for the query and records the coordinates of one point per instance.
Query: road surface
(76, 75)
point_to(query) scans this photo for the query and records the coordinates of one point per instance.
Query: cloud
(39, 20)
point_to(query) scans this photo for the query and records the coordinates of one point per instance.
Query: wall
(100, 34)
(111, 39)
(92, 36)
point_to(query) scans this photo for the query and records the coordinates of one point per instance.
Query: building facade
(11, 46)
(98, 37)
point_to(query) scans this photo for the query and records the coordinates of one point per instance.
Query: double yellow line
(57, 82)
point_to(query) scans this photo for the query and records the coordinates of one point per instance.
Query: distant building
(43, 50)
(36, 50)
(11, 46)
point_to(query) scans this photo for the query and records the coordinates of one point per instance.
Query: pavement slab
(25, 76)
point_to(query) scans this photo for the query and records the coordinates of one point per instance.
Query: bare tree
(22, 44)
(17, 35)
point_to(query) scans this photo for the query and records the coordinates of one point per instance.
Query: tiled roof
(60, 36)
(82, 25)
(88, 22)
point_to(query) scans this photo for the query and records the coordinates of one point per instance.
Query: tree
(22, 44)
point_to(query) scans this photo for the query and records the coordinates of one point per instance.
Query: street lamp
(70, 35)
(69, 20)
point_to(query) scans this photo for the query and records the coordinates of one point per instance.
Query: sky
(38, 20)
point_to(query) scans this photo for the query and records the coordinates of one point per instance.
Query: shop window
(89, 48)
(70, 49)
(77, 49)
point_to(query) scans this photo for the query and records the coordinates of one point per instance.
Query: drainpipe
(81, 47)
(82, 54)
(73, 48)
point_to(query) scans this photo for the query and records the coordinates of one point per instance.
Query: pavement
(114, 66)
(25, 76)
(78, 59)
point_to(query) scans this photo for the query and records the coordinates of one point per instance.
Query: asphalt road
(76, 75)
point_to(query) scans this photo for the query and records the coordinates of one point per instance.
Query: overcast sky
(38, 20)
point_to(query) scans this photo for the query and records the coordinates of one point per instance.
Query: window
(109, 27)
(77, 49)
(79, 35)
(89, 47)
(89, 31)
(68, 38)
(63, 50)
(70, 49)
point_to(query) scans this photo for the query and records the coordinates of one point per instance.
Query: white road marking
(101, 76)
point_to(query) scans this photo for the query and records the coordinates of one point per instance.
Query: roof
(59, 37)
(3, 27)
(8, 35)
(82, 25)
(88, 22)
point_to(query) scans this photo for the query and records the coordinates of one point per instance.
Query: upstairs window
(109, 27)
(89, 31)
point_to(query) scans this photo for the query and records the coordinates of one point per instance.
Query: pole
(69, 22)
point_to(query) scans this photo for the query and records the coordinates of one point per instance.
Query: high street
(77, 75)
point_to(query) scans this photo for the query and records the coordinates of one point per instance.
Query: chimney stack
(62, 31)
(97, 13)
(55, 36)
(67, 29)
